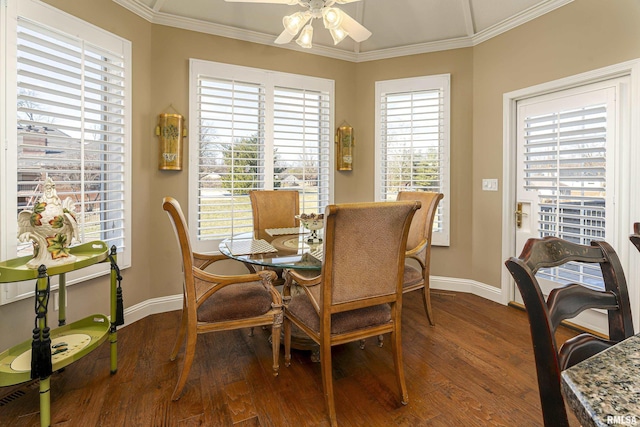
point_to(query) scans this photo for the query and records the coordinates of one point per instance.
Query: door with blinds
(565, 182)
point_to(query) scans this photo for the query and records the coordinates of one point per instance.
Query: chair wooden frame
(419, 244)
(328, 301)
(564, 303)
(199, 286)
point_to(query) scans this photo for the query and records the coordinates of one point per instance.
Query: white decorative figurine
(51, 226)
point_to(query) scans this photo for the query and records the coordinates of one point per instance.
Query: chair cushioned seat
(412, 276)
(301, 307)
(236, 301)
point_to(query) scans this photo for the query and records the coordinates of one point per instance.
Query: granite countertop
(604, 390)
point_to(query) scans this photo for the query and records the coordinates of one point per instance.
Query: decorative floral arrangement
(311, 216)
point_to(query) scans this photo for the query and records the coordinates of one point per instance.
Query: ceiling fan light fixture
(338, 34)
(331, 17)
(338, 22)
(294, 22)
(305, 37)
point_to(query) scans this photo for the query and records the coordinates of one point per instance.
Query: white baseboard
(468, 286)
(153, 306)
(174, 302)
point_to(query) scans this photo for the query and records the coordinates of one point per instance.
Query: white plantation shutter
(565, 162)
(302, 137)
(71, 128)
(230, 156)
(412, 154)
(566, 168)
(256, 129)
(71, 115)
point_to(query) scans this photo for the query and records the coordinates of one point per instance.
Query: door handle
(519, 214)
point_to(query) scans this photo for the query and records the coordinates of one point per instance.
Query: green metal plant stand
(50, 350)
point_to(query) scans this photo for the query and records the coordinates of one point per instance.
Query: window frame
(271, 80)
(63, 23)
(440, 82)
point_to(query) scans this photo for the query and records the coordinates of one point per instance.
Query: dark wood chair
(566, 302)
(214, 302)
(635, 237)
(359, 291)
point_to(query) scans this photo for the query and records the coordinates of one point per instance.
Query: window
(254, 129)
(566, 150)
(412, 142)
(564, 158)
(70, 112)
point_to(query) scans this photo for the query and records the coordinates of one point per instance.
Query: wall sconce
(170, 131)
(344, 152)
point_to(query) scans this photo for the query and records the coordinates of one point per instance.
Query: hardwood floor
(474, 368)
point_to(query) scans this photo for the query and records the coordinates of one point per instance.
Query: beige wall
(581, 36)
(452, 261)
(171, 51)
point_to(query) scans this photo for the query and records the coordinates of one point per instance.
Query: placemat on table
(248, 247)
(283, 231)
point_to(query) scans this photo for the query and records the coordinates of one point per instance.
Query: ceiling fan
(339, 24)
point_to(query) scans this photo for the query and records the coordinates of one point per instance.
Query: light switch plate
(489, 185)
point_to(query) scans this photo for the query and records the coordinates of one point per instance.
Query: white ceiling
(399, 27)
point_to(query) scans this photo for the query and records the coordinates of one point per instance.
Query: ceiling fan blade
(355, 29)
(264, 1)
(284, 37)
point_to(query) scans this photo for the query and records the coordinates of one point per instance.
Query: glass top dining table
(268, 248)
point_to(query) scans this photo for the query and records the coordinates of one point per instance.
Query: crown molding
(414, 49)
(200, 26)
(138, 8)
(517, 20)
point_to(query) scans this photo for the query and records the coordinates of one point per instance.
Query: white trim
(174, 302)
(517, 20)
(7, 95)
(509, 105)
(161, 18)
(468, 17)
(467, 286)
(152, 306)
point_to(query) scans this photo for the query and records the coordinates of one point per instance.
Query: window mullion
(268, 134)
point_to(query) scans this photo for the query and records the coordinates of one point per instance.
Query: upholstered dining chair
(214, 302)
(358, 293)
(274, 208)
(566, 302)
(419, 245)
